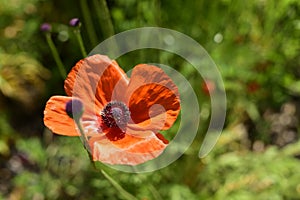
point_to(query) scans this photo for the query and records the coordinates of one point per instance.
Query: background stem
(56, 57)
(88, 22)
(80, 41)
(104, 18)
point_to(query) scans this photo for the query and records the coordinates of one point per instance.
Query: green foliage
(19, 24)
(229, 172)
(236, 174)
(22, 78)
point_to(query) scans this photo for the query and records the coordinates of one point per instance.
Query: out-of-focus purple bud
(74, 108)
(74, 22)
(45, 27)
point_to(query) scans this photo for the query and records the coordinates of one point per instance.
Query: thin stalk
(82, 136)
(80, 41)
(118, 187)
(104, 18)
(154, 192)
(157, 8)
(56, 57)
(88, 22)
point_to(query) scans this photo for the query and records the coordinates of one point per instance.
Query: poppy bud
(74, 22)
(74, 108)
(45, 27)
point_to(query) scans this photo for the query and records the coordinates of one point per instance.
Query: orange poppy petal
(93, 80)
(71, 78)
(129, 150)
(112, 84)
(56, 118)
(153, 99)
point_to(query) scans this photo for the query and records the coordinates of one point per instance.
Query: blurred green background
(255, 45)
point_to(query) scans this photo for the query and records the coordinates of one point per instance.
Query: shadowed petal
(129, 150)
(56, 118)
(153, 99)
(93, 80)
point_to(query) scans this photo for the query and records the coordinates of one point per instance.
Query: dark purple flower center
(115, 114)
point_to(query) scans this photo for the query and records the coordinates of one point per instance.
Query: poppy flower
(208, 87)
(122, 116)
(253, 86)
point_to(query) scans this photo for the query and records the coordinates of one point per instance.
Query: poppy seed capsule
(115, 114)
(74, 108)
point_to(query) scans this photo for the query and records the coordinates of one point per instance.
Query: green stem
(80, 41)
(104, 18)
(56, 57)
(116, 185)
(82, 136)
(154, 192)
(157, 8)
(88, 22)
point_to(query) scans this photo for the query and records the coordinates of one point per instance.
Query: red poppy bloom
(253, 86)
(122, 116)
(208, 87)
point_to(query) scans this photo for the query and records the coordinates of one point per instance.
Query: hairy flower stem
(104, 18)
(56, 57)
(88, 22)
(114, 183)
(80, 41)
(154, 192)
(82, 136)
(118, 187)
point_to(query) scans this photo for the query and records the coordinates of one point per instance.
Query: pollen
(115, 114)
